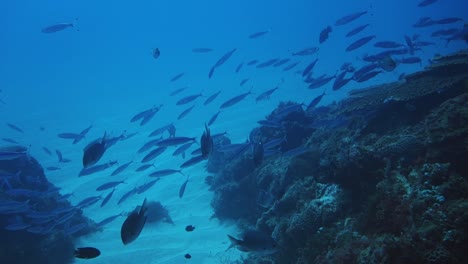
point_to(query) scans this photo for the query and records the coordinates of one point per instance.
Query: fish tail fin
(180, 171)
(234, 242)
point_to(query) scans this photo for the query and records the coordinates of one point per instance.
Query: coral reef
(378, 178)
(38, 224)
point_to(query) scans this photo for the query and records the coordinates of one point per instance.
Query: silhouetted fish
(15, 127)
(87, 253)
(211, 98)
(234, 100)
(359, 43)
(56, 27)
(182, 188)
(156, 53)
(202, 50)
(349, 18)
(94, 151)
(258, 34)
(206, 143)
(356, 30)
(426, 3)
(133, 225)
(324, 34)
(221, 61)
(177, 77)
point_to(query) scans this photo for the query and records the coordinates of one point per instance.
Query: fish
(359, 43)
(188, 99)
(87, 253)
(356, 30)
(290, 66)
(444, 32)
(309, 68)
(144, 167)
(165, 172)
(149, 145)
(426, 3)
(96, 168)
(160, 130)
(182, 149)
(201, 50)
(59, 155)
(234, 100)
(320, 81)
(213, 118)
(409, 60)
(174, 141)
(267, 63)
(182, 188)
(154, 154)
(424, 22)
(10, 140)
(107, 198)
(367, 76)
(265, 199)
(177, 77)
(306, 51)
(69, 135)
(266, 95)
(189, 228)
(144, 187)
(56, 28)
(258, 153)
(221, 61)
(254, 241)
(258, 34)
(52, 168)
(349, 18)
(185, 112)
(15, 127)
(13, 152)
(206, 143)
(93, 152)
(83, 133)
(448, 20)
(252, 62)
(177, 91)
(47, 151)
(243, 82)
(388, 44)
(211, 98)
(324, 34)
(108, 220)
(109, 185)
(156, 53)
(281, 62)
(239, 67)
(187, 256)
(315, 102)
(409, 43)
(121, 168)
(340, 81)
(127, 195)
(134, 224)
(88, 201)
(140, 115)
(192, 161)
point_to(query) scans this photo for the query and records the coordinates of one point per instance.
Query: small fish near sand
(133, 225)
(189, 228)
(87, 253)
(254, 241)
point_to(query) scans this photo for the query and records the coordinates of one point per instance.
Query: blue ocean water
(101, 72)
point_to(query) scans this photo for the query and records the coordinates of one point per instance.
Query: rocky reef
(380, 177)
(38, 224)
